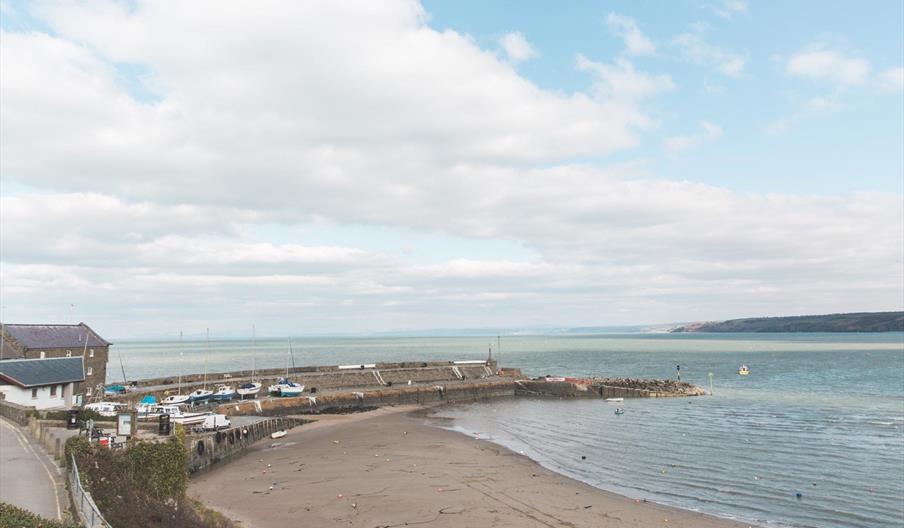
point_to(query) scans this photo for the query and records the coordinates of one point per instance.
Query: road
(28, 478)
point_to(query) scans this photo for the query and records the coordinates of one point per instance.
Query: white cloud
(516, 47)
(892, 79)
(819, 63)
(158, 214)
(621, 82)
(694, 48)
(710, 132)
(626, 28)
(729, 8)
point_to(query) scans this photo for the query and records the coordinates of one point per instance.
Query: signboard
(125, 423)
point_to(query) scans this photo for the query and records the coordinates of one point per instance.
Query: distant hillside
(850, 322)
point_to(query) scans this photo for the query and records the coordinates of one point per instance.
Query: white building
(41, 383)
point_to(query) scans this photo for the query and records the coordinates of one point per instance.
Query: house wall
(18, 395)
(97, 365)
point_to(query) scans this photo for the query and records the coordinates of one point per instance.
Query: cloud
(729, 8)
(621, 82)
(626, 28)
(516, 47)
(710, 133)
(694, 48)
(206, 203)
(892, 79)
(821, 64)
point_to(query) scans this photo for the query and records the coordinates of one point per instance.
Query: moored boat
(199, 396)
(104, 408)
(615, 400)
(223, 393)
(743, 371)
(248, 389)
(175, 399)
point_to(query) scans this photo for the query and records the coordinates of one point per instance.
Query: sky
(349, 167)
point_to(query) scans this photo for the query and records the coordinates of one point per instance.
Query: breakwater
(209, 449)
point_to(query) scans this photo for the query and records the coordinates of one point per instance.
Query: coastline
(391, 467)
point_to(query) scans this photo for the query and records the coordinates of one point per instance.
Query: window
(52, 391)
(88, 391)
(43, 354)
(91, 353)
(68, 353)
(89, 371)
(34, 393)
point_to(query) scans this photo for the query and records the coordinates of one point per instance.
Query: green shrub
(13, 517)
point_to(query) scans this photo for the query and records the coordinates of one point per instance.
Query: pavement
(28, 476)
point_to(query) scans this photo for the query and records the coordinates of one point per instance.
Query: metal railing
(83, 502)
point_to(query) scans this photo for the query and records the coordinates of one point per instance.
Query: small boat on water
(277, 434)
(619, 412)
(743, 371)
(223, 393)
(249, 389)
(615, 400)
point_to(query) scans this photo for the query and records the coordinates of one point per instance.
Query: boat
(743, 371)
(285, 387)
(175, 399)
(615, 400)
(199, 396)
(105, 408)
(223, 393)
(619, 412)
(251, 388)
(146, 406)
(113, 390)
(277, 434)
(248, 389)
(178, 398)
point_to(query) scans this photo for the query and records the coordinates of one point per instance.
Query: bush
(13, 517)
(83, 415)
(77, 446)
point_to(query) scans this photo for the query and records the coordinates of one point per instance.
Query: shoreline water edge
(402, 466)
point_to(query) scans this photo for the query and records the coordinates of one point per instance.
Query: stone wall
(15, 412)
(209, 449)
(449, 393)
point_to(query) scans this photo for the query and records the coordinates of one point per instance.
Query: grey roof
(34, 336)
(36, 372)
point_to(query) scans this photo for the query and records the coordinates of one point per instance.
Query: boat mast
(180, 362)
(289, 342)
(253, 352)
(206, 354)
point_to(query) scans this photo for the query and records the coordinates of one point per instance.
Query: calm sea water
(821, 414)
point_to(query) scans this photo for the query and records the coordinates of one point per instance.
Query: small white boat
(278, 434)
(248, 389)
(175, 399)
(223, 393)
(104, 408)
(743, 371)
(615, 400)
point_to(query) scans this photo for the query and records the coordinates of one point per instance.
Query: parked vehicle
(213, 422)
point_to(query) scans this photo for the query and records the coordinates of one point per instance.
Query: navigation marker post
(710, 383)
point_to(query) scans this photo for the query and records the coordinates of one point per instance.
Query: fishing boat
(251, 388)
(743, 371)
(223, 393)
(105, 408)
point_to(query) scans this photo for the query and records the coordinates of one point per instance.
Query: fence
(84, 504)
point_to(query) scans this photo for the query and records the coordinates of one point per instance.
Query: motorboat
(248, 389)
(146, 406)
(619, 412)
(113, 390)
(743, 371)
(104, 408)
(223, 393)
(199, 396)
(615, 400)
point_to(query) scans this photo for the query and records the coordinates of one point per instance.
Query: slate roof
(37, 372)
(33, 336)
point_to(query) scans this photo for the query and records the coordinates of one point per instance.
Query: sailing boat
(179, 398)
(284, 386)
(252, 388)
(202, 395)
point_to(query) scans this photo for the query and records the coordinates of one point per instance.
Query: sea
(812, 438)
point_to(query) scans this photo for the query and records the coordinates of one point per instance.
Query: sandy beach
(389, 468)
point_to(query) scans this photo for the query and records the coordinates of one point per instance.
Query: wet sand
(390, 468)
